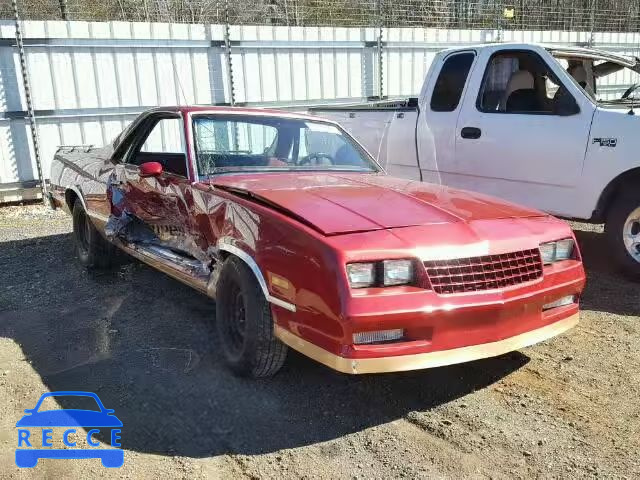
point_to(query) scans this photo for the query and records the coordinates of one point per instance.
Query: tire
(623, 233)
(93, 251)
(245, 325)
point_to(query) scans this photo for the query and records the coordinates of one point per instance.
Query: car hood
(69, 418)
(340, 203)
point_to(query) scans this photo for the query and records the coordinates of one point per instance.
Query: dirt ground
(568, 408)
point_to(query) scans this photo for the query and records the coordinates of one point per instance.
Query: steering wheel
(630, 90)
(316, 159)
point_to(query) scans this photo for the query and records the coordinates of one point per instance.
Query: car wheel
(623, 233)
(92, 249)
(244, 323)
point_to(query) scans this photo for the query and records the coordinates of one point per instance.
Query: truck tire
(244, 323)
(94, 252)
(623, 232)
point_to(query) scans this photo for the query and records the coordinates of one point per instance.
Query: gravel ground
(567, 408)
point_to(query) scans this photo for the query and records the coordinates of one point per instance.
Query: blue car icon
(28, 457)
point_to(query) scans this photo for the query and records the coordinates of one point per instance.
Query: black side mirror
(564, 104)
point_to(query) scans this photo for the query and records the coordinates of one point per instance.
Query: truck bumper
(417, 361)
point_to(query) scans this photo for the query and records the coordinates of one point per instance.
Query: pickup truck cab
(305, 243)
(532, 124)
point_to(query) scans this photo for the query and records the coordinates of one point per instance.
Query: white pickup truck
(549, 127)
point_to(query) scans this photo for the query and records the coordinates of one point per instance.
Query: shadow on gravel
(608, 290)
(145, 344)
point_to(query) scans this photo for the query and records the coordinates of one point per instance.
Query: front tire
(93, 251)
(245, 325)
(623, 232)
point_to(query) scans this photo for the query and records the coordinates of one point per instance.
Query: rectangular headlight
(397, 272)
(361, 275)
(378, 336)
(564, 249)
(555, 251)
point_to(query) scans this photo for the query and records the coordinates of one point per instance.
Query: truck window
(519, 82)
(450, 83)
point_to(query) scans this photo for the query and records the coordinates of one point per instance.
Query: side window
(520, 82)
(450, 83)
(164, 145)
(165, 137)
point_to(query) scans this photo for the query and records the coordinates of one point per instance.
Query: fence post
(379, 48)
(27, 93)
(63, 9)
(499, 13)
(227, 54)
(592, 22)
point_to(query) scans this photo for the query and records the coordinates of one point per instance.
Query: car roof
(228, 109)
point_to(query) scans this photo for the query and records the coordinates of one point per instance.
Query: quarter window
(450, 83)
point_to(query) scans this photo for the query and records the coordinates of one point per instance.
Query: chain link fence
(566, 15)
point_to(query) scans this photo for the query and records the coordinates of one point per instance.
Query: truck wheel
(92, 249)
(623, 233)
(244, 323)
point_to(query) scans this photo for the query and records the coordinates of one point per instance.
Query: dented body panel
(298, 231)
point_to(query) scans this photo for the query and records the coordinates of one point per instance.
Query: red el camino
(306, 243)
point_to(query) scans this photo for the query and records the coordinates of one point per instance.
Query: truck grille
(484, 273)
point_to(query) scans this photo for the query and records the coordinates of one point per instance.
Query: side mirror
(564, 104)
(150, 169)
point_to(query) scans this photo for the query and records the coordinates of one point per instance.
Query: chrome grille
(484, 273)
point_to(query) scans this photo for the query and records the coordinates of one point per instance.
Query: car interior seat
(579, 73)
(519, 80)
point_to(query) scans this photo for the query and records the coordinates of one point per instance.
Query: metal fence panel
(90, 79)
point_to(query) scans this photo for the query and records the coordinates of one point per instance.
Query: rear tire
(623, 232)
(245, 325)
(92, 249)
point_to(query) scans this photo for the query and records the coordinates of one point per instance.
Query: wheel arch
(611, 192)
(227, 248)
(71, 195)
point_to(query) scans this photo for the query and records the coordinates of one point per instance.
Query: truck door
(522, 133)
(156, 206)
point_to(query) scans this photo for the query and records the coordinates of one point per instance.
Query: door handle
(470, 132)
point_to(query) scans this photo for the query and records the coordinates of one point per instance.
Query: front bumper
(439, 329)
(417, 361)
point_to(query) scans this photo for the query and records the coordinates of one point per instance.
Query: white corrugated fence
(89, 79)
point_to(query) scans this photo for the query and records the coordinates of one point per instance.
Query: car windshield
(229, 144)
(67, 402)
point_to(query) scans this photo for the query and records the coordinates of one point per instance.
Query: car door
(523, 135)
(156, 205)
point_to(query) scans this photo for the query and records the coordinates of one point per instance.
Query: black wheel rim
(235, 321)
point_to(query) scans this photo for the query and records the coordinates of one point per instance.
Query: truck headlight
(361, 275)
(555, 251)
(397, 272)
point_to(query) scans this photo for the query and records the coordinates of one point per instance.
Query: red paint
(305, 227)
(150, 169)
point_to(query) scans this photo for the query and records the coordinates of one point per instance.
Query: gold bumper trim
(425, 360)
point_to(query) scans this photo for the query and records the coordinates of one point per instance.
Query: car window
(450, 83)
(163, 144)
(520, 82)
(261, 143)
(165, 137)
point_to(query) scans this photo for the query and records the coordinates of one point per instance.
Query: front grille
(484, 273)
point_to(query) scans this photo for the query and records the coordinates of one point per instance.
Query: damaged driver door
(150, 185)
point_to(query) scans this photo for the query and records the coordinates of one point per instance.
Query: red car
(306, 243)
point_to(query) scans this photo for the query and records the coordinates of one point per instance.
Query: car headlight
(397, 272)
(361, 275)
(385, 273)
(555, 251)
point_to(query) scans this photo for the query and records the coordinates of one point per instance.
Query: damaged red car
(306, 243)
